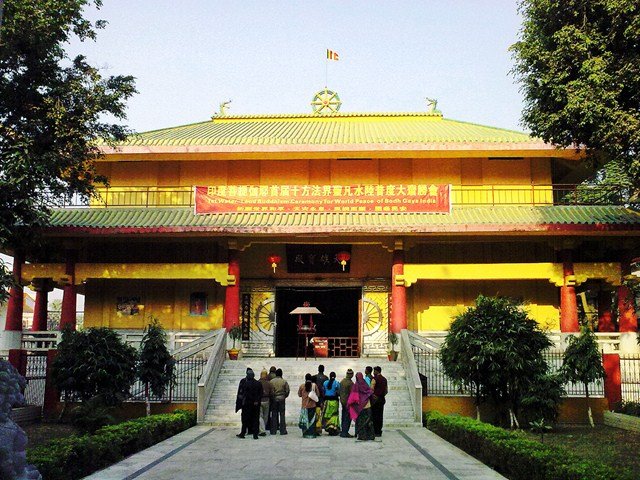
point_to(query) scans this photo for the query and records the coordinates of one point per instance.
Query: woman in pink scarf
(360, 408)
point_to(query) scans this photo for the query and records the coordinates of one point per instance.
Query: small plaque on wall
(317, 258)
(198, 303)
(128, 306)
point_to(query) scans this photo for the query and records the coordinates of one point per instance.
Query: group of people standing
(362, 402)
(263, 403)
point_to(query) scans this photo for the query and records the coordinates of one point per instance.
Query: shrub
(75, 457)
(495, 350)
(94, 362)
(628, 408)
(515, 457)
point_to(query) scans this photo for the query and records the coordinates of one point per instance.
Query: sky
(269, 57)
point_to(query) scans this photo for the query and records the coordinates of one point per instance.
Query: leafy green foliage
(582, 362)
(91, 415)
(235, 333)
(495, 350)
(515, 457)
(628, 408)
(155, 364)
(94, 363)
(541, 427)
(578, 64)
(542, 397)
(75, 457)
(52, 109)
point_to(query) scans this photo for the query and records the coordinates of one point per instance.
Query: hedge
(76, 456)
(513, 456)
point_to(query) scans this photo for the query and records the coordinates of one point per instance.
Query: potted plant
(393, 354)
(235, 334)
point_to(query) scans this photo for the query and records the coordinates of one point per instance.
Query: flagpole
(326, 71)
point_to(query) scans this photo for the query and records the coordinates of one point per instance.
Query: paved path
(206, 453)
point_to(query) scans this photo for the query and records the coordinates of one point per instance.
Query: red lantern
(343, 258)
(274, 260)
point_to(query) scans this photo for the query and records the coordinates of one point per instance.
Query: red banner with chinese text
(412, 198)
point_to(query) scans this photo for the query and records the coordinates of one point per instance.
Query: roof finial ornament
(432, 105)
(223, 108)
(326, 102)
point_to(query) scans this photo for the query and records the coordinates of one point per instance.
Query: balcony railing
(472, 195)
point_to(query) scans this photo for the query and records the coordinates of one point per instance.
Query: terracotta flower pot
(233, 353)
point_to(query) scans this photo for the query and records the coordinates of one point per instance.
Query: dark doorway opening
(339, 307)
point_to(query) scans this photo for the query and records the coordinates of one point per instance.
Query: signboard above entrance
(302, 258)
(402, 198)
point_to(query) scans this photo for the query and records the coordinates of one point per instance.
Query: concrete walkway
(205, 453)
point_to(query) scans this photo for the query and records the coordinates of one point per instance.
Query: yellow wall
(166, 300)
(572, 410)
(432, 305)
(385, 171)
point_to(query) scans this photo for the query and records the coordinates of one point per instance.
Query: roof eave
(376, 150)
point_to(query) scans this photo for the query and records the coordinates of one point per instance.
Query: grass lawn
(42, 432)
(613, 446)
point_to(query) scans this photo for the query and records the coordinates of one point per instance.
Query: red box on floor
(321, 346)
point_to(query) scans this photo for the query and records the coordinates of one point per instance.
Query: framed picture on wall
(127, 306)
(198, 303)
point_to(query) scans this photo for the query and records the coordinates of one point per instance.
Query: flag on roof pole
(331, 55)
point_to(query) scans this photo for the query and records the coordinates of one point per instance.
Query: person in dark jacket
(380, 390)
(248, 400)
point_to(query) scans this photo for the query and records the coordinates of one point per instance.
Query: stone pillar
(12, 335)
(568, 301)
(398, 294)
(232, 292)
(612, 379)
(68, 313)
(605, 315)
(40, 308)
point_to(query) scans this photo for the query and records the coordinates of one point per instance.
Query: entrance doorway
(339, 307)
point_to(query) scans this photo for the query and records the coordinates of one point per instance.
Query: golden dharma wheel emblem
(325, 102)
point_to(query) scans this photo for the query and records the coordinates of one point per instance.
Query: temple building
(381, 221)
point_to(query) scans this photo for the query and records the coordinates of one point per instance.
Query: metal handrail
(211, 373)
(491, 194)
(412, 375)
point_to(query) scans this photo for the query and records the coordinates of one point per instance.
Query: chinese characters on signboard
(316, 258)
(414, 198)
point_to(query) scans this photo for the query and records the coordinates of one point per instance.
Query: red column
(568, 300)
(612, 379)
(68, 313)
(16, 296)
(605, 315)
(398, 294)
(232, 293)
(40, 307)
(18, 358)
(51, 396)
(627, 319)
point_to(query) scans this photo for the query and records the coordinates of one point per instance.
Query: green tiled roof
(461, 219)
(337, 129)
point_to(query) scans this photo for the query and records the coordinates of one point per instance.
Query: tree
(582, 362)
(495, 350)
(94, 363)
(578, 62)
(155, 363)
(52, 111)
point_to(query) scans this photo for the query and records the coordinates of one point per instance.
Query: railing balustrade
(211, 373)
(630, 377)
(436, 383)
(411, 374)
(472, 195)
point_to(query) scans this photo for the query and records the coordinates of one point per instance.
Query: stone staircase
(398, 410)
